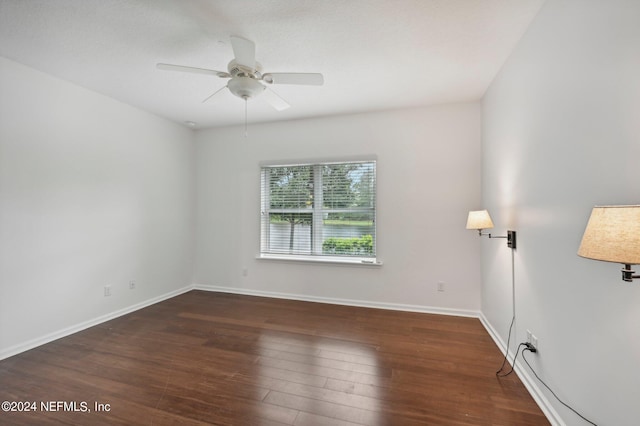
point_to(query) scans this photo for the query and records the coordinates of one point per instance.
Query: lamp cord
(513, 319)
(548, 388)
(527, 347)
(506, 353)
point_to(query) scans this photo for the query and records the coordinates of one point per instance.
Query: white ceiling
(374, 54)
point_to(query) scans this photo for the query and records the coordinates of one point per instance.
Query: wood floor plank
(327, 372)
(224, 359)
(323, 408)
(308, 419)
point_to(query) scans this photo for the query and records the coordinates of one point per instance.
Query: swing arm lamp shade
(479, 219)
(613, 235)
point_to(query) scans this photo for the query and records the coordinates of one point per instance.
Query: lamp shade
(612, 235)
(479, 219)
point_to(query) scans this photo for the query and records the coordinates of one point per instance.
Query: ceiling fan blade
(181, 68)
(244, 51)
(309, 79)
(275, 100)
(208, 98)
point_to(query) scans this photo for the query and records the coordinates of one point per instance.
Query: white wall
(428, 178)
(561, 133)
(92, 193)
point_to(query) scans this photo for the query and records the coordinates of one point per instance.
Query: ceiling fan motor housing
(238, 70)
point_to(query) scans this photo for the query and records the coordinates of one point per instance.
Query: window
(325, 209)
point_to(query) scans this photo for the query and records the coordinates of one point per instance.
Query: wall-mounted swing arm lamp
(613, 235)
(480, 219)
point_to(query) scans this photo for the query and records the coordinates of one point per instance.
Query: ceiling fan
(247, 80)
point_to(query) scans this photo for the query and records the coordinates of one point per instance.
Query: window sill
(321, 260)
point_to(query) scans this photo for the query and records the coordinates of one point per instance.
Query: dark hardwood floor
(214, 358)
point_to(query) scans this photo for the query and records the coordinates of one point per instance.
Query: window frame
(317, 211)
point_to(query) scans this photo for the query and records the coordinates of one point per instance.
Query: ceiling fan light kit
(246, 78)
(245, 87)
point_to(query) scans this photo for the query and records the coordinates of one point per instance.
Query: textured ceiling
(374, 54)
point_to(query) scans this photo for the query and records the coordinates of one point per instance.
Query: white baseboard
(336, 301)
(529, 381)
(23, 347)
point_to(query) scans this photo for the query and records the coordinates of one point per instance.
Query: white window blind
(325, 209)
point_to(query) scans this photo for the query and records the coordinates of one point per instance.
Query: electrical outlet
(532, 340)
(440, 285)
(132, 285)
(107, 290)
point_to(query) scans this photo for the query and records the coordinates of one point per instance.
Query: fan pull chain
(245, 117)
